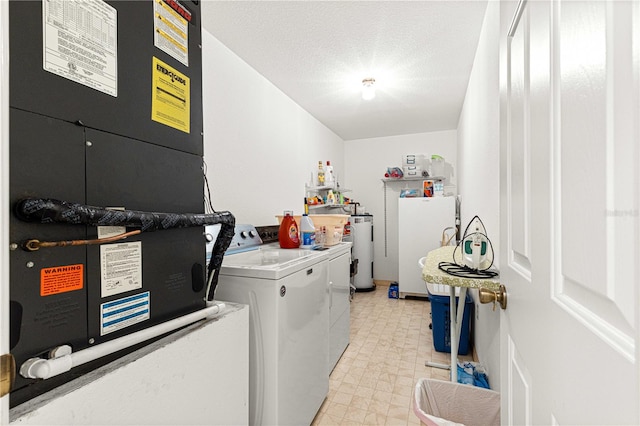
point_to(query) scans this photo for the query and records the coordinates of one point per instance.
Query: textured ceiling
(318, 52)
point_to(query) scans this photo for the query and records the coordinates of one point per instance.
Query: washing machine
(287, 292)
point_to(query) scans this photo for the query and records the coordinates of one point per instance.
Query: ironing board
(432, 274)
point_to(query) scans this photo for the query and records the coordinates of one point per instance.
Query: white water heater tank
(362, 238)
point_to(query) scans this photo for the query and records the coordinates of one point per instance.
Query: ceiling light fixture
(368, 89)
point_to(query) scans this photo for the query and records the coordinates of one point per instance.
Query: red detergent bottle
(288, 231)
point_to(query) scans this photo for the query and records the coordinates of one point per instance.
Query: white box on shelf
(416, 160)
(412, 171)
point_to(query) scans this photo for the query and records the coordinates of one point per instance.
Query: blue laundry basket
(441, 322)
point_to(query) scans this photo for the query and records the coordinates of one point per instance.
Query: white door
(569, 83)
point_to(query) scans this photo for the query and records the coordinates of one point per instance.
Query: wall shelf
(323, 191)
(412, 178)
(337, 188)
(328, 206)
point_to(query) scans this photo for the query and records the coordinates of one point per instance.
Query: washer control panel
(246, 238)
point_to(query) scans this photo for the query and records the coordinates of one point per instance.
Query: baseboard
(383, 283)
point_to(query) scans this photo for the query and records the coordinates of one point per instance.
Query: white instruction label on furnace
(121, 313)
(111, 231)
(120, 268)
(171, 29)
(80, 42)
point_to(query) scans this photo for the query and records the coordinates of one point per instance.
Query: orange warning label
(61, 279)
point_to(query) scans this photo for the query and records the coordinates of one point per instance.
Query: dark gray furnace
(105, 110)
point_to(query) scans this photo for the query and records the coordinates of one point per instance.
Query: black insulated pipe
(44, 210)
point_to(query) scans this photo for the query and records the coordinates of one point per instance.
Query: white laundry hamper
(443, 403)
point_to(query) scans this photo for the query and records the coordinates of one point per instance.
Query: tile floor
(373, 382)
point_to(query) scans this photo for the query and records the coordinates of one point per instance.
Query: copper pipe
(33, 245)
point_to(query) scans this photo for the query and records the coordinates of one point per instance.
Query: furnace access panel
(105, 110)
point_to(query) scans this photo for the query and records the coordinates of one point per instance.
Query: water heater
(362, 238)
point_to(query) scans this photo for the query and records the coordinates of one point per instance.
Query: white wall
(479, 173)
(260, 146)
(366, 162)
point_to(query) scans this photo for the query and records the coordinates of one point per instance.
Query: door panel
(523, 123)
(518, 173)
(569, 204)
(591, 123)
(520, 388)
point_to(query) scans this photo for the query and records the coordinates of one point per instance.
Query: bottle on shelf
(437, 165)
(328, 174)
(331, 198)
(320, 174)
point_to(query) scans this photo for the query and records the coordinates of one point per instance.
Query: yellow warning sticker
(171, 29)
(61, 279)
(170, 104)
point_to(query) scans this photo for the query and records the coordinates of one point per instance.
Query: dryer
(339, 301)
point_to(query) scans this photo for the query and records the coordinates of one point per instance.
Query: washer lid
(270, 262)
